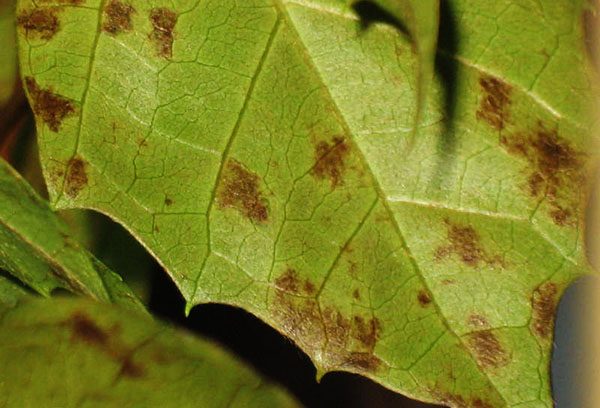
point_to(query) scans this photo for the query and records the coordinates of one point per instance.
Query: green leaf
(36, 247)
(10, 292)
(421, 19)
(79, 353)
(259, 150)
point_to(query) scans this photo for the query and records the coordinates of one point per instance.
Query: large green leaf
(36, 247)
(77, 353)
(260, 150)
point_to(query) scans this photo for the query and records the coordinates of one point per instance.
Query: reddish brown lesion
(330, 160)
(163, 23)
(543, 303)
(240, 189)
(117, 17)
(556, 171)
(495, 103)
(342, 342)
(77, 178)
(465, 243)
(85, 330)
(41, 22)
(47, 105)
(487, 349)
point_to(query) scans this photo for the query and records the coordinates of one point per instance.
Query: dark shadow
(446, 68)
(571, 352)
(271, 354)
(370, 13)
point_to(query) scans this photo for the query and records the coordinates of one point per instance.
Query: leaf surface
(79, 353)
(421, 21)
(260, 151)
(36, 247)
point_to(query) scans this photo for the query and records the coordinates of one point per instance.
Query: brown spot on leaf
(543, 302)
(168, 202)
(340, 342)
(84, 329)
(367, 332)
(240, 190)
(330, 160)
(356, 294)
(47, 105)
(478, 403)
(464, 242)
(487, 349)
(495, 103)
(163, 22)
(363, 362)
(117, 17)
(424, 298)
(76, 177)
(556, 171)
(291, 283)
(40, 22)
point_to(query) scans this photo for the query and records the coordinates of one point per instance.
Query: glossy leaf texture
(88, 354)
(36, 247)
(260, 150)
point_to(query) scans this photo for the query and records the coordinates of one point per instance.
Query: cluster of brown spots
(163, 22)
(367, 332)
(464, 242)
(47, 105)
(458, 401)
(40, 22)
(556, 170)
(342, 342)
(424, 298)
(487, 349)
(240, 190)
(291, 283)
(477, 321)
(543, 302)
(330, 160)
(76, 177)
(85, 330)
(117, 17)
(495, 102)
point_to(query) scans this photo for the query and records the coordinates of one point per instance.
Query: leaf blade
(336, 228)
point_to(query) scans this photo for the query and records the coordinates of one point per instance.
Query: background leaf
(36, 248)
(78, 353)
(259, 151)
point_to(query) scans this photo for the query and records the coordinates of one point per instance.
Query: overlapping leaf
(260, 151)
(36, 247)
(77, 353)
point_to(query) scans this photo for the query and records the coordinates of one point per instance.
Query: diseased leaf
(87, 354)
(36, 248)
(259, 150)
